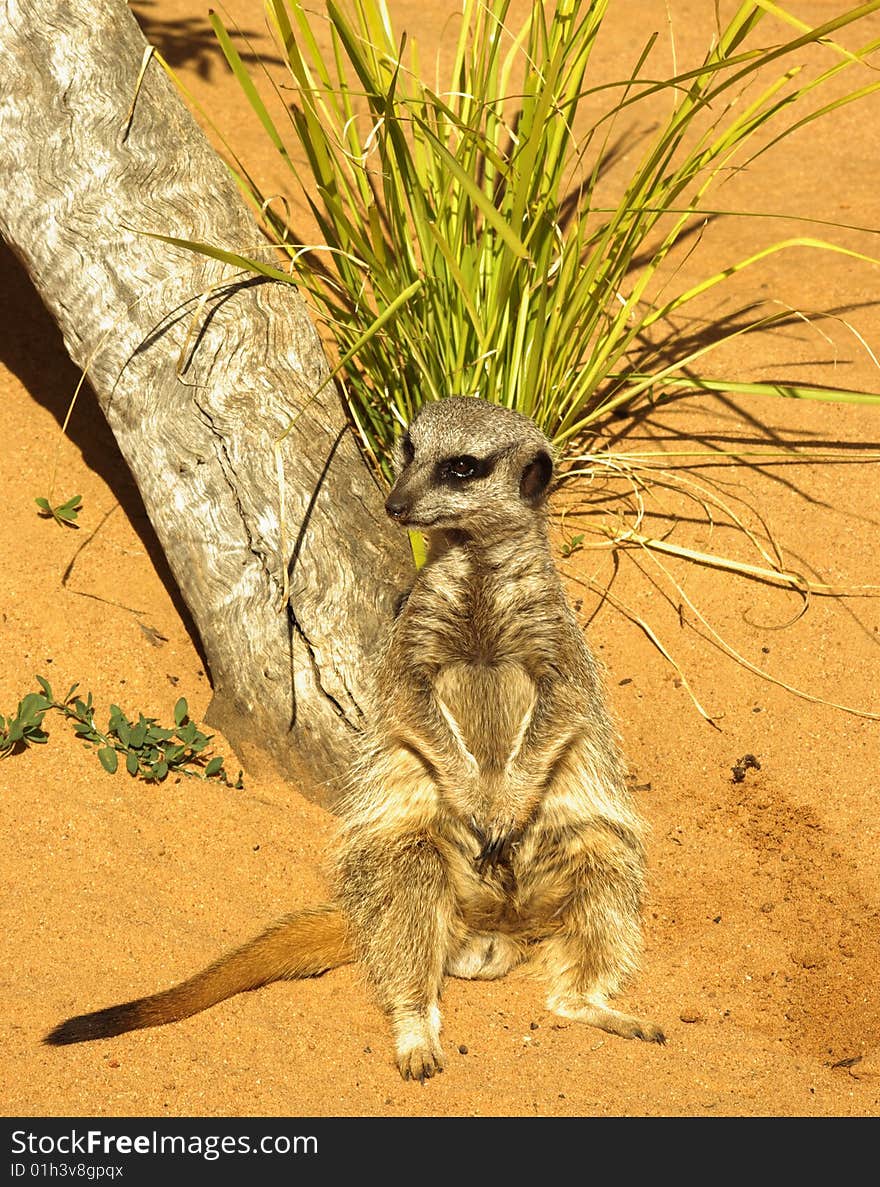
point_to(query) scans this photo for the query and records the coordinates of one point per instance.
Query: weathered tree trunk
(196, 394)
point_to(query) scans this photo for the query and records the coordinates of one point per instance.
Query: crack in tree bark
(234, 482)
(316, 669)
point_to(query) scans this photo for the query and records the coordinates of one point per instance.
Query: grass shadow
(190, 41)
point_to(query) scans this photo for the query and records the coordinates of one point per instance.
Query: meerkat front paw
(419, 1063)
(417, 1045)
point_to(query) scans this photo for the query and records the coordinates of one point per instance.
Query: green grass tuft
(463, 250)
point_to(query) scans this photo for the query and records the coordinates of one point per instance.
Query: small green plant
(572, 545)
(64, 514)
(150, 751)
(25, 727)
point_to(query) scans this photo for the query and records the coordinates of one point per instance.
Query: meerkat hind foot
(598, 1013)
(484, 957)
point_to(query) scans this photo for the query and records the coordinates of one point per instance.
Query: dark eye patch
(456, 470)
(407, 449)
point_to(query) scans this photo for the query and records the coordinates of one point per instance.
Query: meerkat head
(470, 466)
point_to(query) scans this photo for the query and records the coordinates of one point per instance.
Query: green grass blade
(244, 263)
(786, 391)
(244, 80)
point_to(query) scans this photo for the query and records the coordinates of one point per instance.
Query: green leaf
(131, 763)
(226, 257)
(244, 80)
(789, 391)
(214, 766)
(138, 734)
(419, 548)
(46, 687)
(181, 710)
(187, 733)
(32, 707)
(107, 756)
(64, 513)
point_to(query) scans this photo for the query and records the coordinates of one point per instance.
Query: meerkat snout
(396, 507)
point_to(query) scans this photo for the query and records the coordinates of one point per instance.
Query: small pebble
(462, 1050)
(691, 1016)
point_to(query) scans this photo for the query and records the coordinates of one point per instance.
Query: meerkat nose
(396, 507)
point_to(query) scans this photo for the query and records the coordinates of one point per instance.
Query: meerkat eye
(407, 449)
(462, 468)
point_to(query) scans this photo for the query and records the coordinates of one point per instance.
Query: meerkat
(487, 820)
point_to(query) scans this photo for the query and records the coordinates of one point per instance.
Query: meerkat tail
(304, 944)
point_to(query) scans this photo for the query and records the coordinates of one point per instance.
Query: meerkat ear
(536, 477)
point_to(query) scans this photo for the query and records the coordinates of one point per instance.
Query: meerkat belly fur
(487, 820)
